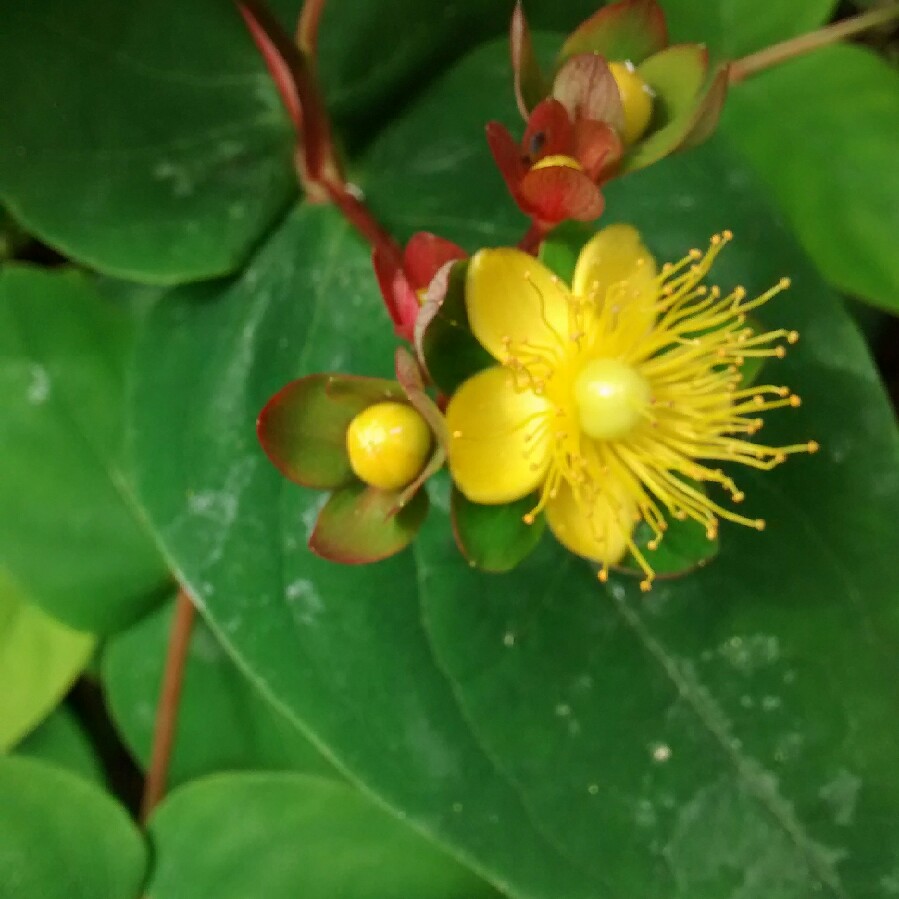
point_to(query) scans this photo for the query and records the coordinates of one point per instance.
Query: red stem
(293, 70)
(307, 28)
(360, 216)
(169, 698)
(531, 240)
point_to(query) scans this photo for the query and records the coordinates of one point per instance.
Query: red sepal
(558, 192)
(549, 132)
(425, 254)
(399, 297)
(530, 85)
(587, 89)
(360, 524)
(597, 147)
(506, 155)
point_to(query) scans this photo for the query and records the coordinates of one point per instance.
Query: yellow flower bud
(636, 98)
(388, 444)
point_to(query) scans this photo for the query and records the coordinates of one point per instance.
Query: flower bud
(388, 444)
(636, 99)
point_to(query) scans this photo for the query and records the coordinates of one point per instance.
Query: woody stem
(805, 43)
(169, 699)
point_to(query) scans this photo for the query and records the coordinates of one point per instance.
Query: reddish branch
(292, 67)
(798, 46)
(169, 698)
(307, 29)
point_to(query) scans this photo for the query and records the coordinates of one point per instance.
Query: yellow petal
(510, 296)
(599, 531)
(499, 438)
(616, 256)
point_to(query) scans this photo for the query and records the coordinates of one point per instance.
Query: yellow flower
(614, 398)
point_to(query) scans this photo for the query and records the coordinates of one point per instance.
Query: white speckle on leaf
(661, 752)
(38, 391)
(304, 601)
(748, 654)
(646, 814)
(508, 639)
(203, 646)
(726, 842)
(584, 683)
(177, 176)
(214, 504)
(563, 710)
(841, 794)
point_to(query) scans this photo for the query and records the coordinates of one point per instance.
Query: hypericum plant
(607, 404)
(509, 592)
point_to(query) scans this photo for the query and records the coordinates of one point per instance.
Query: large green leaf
(144, 139)
(286, 835)
(71, 533)
(63, 838)
(61, 740)
(733, 730)
(223, 722)
(733, 28)
(39, 659)
(838, 112)
(147, 140)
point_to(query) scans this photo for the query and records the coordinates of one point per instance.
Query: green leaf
(838, 111)
(495, 538)
(39, 660)
(12, 238)
(224, 722)
(150, 142)
(71, 533)
(560, 738)
(286, 835)
(734, 28)
(63, 838)
(60, 740)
